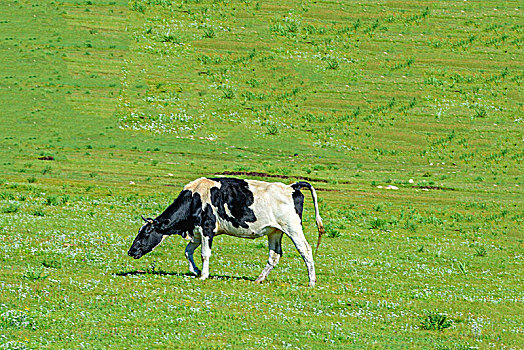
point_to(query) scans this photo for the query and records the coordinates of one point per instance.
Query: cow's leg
(191, 246)
(208, 230)
(207, 241)
(297, 236)
(275, 252)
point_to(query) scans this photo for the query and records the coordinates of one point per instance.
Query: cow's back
(246, 207)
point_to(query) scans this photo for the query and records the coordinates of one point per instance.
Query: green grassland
(132, 100)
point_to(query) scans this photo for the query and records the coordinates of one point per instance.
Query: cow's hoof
(259, 281)
(203, 278)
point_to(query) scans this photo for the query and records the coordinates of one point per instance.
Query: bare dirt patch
(434, 188)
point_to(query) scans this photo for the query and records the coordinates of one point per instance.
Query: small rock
(131, 183)
(391, 187)
(411, 181)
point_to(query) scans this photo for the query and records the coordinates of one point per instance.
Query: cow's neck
(177, 217)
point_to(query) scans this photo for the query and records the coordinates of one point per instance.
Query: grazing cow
(208, 207)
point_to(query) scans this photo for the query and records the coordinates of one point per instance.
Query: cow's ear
(162, 225)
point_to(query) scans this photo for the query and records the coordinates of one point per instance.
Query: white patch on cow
(203, 186)
(226, 209)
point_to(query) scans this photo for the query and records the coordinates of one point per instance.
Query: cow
(208, 207)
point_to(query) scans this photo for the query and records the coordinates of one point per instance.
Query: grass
(435, 321)
(110, 107)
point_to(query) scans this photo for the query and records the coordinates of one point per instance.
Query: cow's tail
(318, 219)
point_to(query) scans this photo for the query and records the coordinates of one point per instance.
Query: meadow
(407, 118)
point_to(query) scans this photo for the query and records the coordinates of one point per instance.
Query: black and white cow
(208, 207)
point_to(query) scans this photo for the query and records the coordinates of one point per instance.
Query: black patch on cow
(236, 194)
(208, 223)
(298, 197)
(298, 200)
(181, 216)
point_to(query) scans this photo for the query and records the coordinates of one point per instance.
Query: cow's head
(147, 239)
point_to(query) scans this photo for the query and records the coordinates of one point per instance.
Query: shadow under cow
(180, 274)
